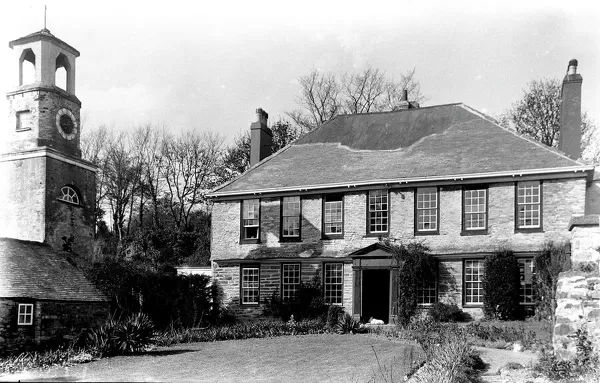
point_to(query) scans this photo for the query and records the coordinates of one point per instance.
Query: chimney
(261, 138)
(570, 112)
(404, 103)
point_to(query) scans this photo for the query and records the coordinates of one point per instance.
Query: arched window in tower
(69, 195)
(61, 76)
(27, 67)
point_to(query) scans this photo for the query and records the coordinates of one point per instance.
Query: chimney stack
(570, 112)
(261, 138)
(404, 103)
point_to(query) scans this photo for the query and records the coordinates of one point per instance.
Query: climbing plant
(414, 264)
(548, 263)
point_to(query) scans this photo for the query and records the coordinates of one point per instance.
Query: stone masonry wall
(227, 275)
(578, 293)
(561, 199)
(64, 219)
(30, 207)
(22, 199)
(53, 322)
(42, 106)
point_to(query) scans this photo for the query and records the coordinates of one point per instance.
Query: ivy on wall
(414, 264)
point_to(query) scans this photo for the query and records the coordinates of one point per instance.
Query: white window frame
(25, 314)
(290, 280)
(291, 208)
(529, 204)
(333, 283)
(69, 195)
(250, 218)
(378, 211)
(526, 292)
(250, 285)
(473, 281)
(427, 293)
(427, 207)
(477, 209)
(331, 217)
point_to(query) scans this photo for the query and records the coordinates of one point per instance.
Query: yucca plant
(347, 325)
(134, 334)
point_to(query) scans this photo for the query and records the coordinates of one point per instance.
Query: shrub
(167, 298)
(442, 312)
(122, 337)
(501, 286)
(334, 313)
(493, 334)
(257, 329)
(449, 356)
(347, 325)
(549, 263)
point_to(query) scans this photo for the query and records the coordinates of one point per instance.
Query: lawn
(326, 357)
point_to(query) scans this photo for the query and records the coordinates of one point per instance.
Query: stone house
(46, 203)
(446, 175)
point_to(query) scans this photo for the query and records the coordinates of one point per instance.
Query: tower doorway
(375, 294)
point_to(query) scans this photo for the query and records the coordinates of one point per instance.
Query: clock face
(66, 124)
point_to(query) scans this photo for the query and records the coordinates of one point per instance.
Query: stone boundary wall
(578, 290)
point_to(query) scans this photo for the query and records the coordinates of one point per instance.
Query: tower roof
(44, 34)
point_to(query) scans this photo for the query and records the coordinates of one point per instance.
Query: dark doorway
(376, 294)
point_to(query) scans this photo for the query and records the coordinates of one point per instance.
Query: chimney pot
(572, 69)
(261, 116)
(404, 95)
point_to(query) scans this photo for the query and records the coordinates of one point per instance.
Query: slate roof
(35, 270)
(422, 143)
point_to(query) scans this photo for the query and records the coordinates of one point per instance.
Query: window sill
(473, 232)
(529, 230)
(250, 304)
(332, 236)
(249, 241)
(423, 233)
(69, 203)
(473, 305)
(22, 129)
(284, 240)
(377, 235)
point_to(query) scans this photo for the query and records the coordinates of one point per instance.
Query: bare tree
(152, 166)
(318, 101)
(363, 92)
(121, 173)
(94, 143)
(324, 96)
(190, 169)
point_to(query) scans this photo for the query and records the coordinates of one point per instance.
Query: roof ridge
(521, 135)
(396, 111)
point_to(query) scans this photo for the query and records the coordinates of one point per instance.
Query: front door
(375, 294)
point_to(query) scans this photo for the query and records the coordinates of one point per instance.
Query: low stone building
(446, 175)
(46, 204)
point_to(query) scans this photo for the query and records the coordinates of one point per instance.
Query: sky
(190, 65)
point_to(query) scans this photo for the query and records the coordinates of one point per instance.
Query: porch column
(356, 310)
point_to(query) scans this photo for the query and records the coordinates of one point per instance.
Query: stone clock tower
(48, 190)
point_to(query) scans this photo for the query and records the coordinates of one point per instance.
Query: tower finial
(45, 9)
